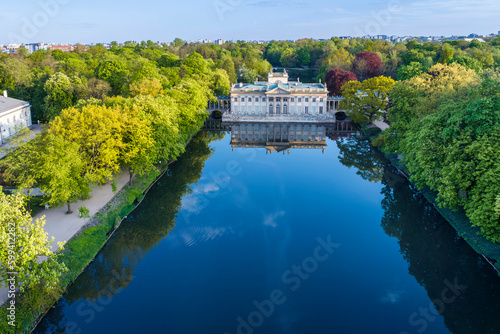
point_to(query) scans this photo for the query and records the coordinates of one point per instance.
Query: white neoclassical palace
(14, 114)
(279, 99)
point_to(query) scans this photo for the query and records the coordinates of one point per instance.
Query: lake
(242, 237)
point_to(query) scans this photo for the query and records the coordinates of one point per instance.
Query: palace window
(249, 99)
(306, 110)
(285, 109)
(299, 110)
(292, 99)
(242, 99)
(300, 99)
(285, 99)
(263, 99)
(235, 99)
(278, 99)
(271, 109)
(320, 110)
(235, 109)
(321, 100)
(271, 99)
(278, 109)
(307, 99)
(314, 99)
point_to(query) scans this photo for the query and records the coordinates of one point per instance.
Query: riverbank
(457, 219)
(85, 239)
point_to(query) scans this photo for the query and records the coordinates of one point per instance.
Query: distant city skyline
(67, 21)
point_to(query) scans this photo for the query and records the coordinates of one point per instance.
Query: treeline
(397, 60)
(445, 123)
(88, 142)
(53, 81)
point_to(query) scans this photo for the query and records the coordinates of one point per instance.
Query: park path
(381, 125)
(63, 226)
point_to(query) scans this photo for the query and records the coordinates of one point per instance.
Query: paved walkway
(381, 125)
(35, 130)
(62, 226)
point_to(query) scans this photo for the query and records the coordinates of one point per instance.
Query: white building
(279, 100)
(13, 114)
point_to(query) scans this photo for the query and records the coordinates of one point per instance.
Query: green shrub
(217, 114)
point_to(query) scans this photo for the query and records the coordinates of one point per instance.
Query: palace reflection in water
(283, 136)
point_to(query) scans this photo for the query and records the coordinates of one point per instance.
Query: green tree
(220, 83)
(339, 58)
(303, 56)
(21, 253)
(114, 72)
(162, 115)
(409, 71)
(247, 75)
(452, 152)
(169, 60)
(367, 101)
(15, 75)
(421, 96)
(195, 64)
(178, 42)
(227, 64)
(146, 86)
(61, 172)
(447, 53)
(19, 164)
(288, 58)
(138, 143)
(59, 90)
(468, 63)
(83, 212)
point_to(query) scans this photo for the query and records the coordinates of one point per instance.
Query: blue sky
(104, 21)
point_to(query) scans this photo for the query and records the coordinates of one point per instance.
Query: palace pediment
(278, 91)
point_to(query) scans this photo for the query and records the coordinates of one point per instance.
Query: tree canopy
(337, 78)
(367, 101)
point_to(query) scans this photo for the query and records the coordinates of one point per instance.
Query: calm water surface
(304, 242)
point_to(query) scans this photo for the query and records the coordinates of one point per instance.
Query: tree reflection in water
(434, 251)
(113, 268)
(358, 153)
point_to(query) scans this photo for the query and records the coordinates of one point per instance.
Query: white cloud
(270, 219)
(391, 297)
